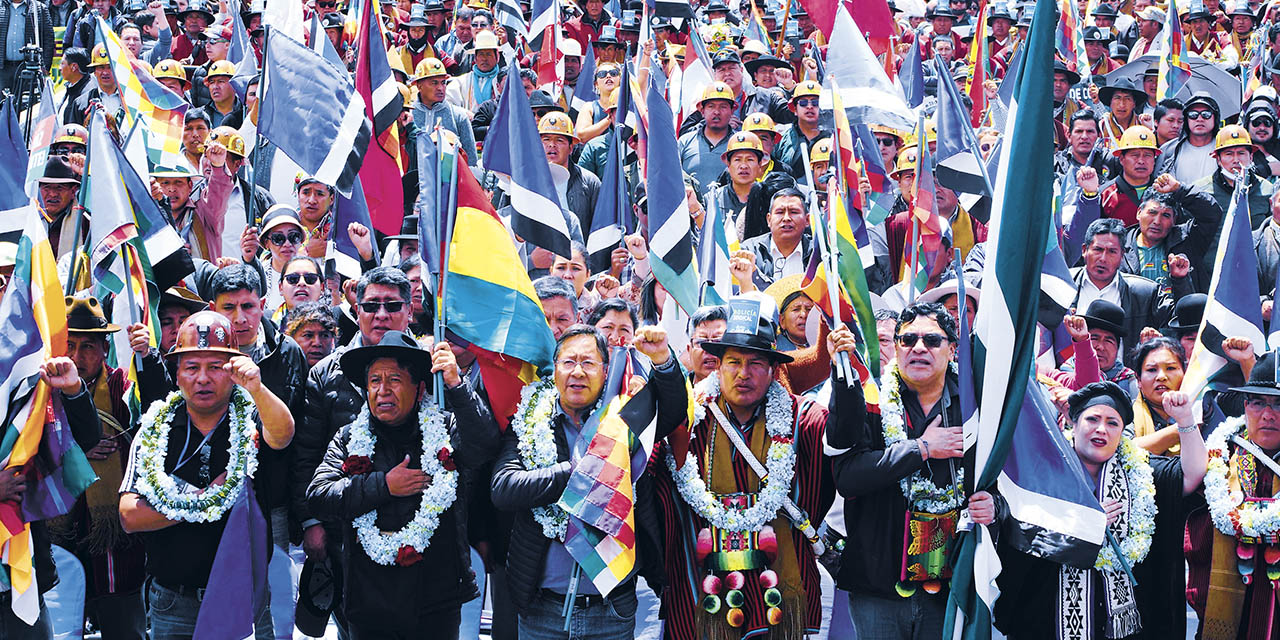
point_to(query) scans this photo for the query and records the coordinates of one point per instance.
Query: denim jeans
(919, 617)
(13, 628)
(173, 615)
(543, 620)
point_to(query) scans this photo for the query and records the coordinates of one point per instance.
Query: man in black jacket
(236, 294)
(541, 573)
(1144, 304)
(38, 31)
(82, 417)
(1159, 243)
(333, 402)
(376, 476)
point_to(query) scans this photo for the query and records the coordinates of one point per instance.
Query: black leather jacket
(391, 598)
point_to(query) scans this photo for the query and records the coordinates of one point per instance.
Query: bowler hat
(1105, 315)
(395, 344)
(753, 326)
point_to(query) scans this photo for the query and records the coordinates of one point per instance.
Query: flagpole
(78, 210)
(843, 368)
(915, 259)
(128, 288)
(438, 387)
(782, 34)
(832, 255)
(706, 250)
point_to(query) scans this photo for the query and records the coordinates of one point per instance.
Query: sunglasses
(1200, 115)
(326, 5)
(886, 141)
(309, 278)
(605, 73)
(806, 102)
(931, 340)
(392, 306)
(1262, 122)
(279, 238)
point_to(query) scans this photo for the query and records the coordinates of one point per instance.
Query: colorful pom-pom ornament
(767, 542)
(703, 547)
(711, 604)
(735, 617)
(735, 580)
(768, 579)
(735, 599)
(711, 585)
(773, 597)
(774, 614)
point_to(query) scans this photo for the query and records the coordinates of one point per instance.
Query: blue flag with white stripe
(514, 149)
(312, 112)
(670, 231)
(584, 93)
(1232, 309)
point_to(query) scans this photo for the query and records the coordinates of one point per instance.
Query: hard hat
(755, 46)
(1232, 135)
(743, 141)
(806, 88)
(485, 41)
(906, 161)
(429, 68)
(717, 91)
(206, 332)
(73, 133)
(759, 123)
(821, 151)
(229, 138)
(1136, 137)
(406, 95)
(888, 131)
(99, 57)
(557, 122)
(221, 68)
(171, 69)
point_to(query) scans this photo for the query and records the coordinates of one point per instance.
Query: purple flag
(237, 587)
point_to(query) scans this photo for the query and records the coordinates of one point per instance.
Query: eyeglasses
(1262, 122)
(392, 306)
(310, 278)
(1258, 404)
(1203, 114)
(806, 102)
(886, 141)
(567, 365)
(604, 73)
(931, 340)
(326, 5)
(280, 239)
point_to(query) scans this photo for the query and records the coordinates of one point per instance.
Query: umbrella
(1205, 76)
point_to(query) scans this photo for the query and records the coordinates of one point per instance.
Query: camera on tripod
(31, 57)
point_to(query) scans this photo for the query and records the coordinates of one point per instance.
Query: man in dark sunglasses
(804, 107)
(1190, 157)
(916, 437)
(1234, 151)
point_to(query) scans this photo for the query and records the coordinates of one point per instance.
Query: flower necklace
(780, 461)
(1136, 542)
(1232, 514)
(388, 548)
(173, 497)
(921, 492)
(537, 445)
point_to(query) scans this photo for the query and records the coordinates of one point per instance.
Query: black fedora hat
(1262, 379)
(753, 325)
(1105, 10)
(1105, 315)
(1188, 313)
(939, 10)
(1121, 84)
(766, 59)
(395, 344)
(408, 229)
(319, 594)
(1059, 66)
(58, 170)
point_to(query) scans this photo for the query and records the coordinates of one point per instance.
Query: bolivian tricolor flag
(490, 302)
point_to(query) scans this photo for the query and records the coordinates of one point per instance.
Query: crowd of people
(381, 462)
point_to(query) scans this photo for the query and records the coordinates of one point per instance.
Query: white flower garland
(1142, 506)
(1231, 514)
(383, 547)
(921, 492)
(537, 445)
(173, 497)
(780, 462)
